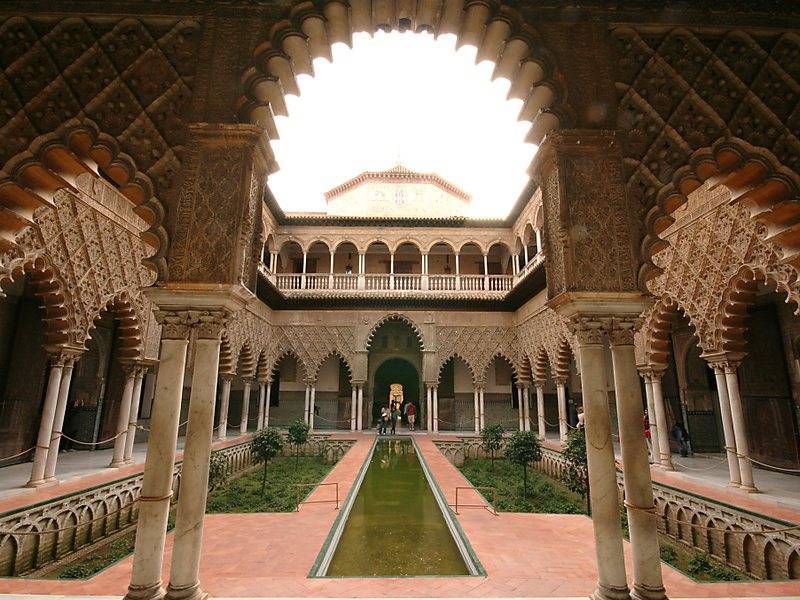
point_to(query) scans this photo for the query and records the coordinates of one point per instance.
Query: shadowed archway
(394, 371)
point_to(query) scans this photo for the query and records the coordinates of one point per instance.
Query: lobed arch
(498, 31)
(318, 365)
(541, 365)
(56, 161)
(300, 362)
(740, 295)
(227, 365)
(563, 359)
(129, 326)
(754, 177)
(50, 288)
(453, 356)
(515, 368)
(658, 327)
(526, 367)
(262, 372)
(246, 362)
(367, 342)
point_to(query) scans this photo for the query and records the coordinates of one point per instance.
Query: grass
(698, 564)
(243, 493)
(544, 494)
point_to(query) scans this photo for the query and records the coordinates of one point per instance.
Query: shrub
(217, 471)
(668, 554)
(266, 445)
(298, 435)
(576, 474)
(523, 449)
(492, 440)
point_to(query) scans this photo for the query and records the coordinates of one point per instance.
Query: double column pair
(127, 420)
(357, 406)
(480, 417)
(523, 396)
(657, 413)
(157, 484)
(432, 406)
(591, 335)
(308, 411)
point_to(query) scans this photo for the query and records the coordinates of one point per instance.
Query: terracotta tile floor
(525, 555)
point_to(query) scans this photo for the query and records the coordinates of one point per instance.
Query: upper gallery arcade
(645, 256)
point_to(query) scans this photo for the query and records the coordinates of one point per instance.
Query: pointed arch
(278, 359)
(563, 360)
(452, 357)
(541, 365)
(506, 357)
(226, 363)
(395, 317)
(246, 362)
(657, 330)
(129, 326)
(318, 365)
(263, 373)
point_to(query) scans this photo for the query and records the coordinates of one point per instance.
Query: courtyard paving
(270, 554)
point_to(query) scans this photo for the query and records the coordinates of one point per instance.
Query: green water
(395, 527)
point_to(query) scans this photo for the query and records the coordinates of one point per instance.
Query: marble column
(540, 410)
(46, 421)
(360, 407)
(266, 404)
(651, 412)
(118, 455)
(526, 407)
(429, 406)
(224, 405)
(481, 407)
(184, 582)
(133, 416)
(611, 578)
(520, 418)
(156, 491)
(261, 393)
(353, 409)
(307, 403)
(476, 404)
(245, 407)
(58, 419)
(311, 403)
(665, 454)
(561, 390)
(727, 425)
(642, 525)
(436, 408)
(739, 428)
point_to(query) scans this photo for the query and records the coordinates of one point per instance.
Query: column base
(116, 464)
(750, 489)
(734, 485)
(642, 592)
(191, 592)
(604, 592)
(669, 467)
(145, 592)
(35, 483)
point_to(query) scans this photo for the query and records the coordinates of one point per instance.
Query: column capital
(622, 330)
(63, 356)
(227, 376)
(726, 362)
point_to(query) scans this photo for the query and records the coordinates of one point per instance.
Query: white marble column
(651, 412)
(429, 406)
(481, 407)
(611, 577)
(156, 491)
(526, 407)
(224, 405)
(133, 416)
(267, 400)
(245, 407)
(184, 582)
(307, 404)
(360, 406)
(46, 421)
(727, 425)
(520, 417)
(262, 390)
(477, 410)
(642, 525)
(124, 417)
(436, 408)
(540, 410)
(561, 390)
(739, 428)
(665, 454)
(353, 409)
(58, 419)
(311, 403)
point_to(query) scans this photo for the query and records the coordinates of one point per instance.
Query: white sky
(408, 98)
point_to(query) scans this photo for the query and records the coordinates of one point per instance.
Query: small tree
(217, 471)
(522, 449)
(492, 437)
(576, 473)
(298, 435)
(266, 445)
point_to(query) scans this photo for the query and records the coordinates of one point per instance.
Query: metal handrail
(491, 507)
(298, 486)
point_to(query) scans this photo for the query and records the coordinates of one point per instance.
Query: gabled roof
(398, 174)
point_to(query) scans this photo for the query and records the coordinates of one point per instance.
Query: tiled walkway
(525, 555)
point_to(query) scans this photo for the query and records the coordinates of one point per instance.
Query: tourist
(646, 423)
(682, 437)
(383, 421)
(395, 416)
(411, 415)
(581, 419)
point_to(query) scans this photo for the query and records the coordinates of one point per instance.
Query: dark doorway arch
(394, 370)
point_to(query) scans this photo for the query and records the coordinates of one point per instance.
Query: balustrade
(442, 283)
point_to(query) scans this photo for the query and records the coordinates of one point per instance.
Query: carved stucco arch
(453, 356)
(506, 356)
(227, 365)
(130, 323)
(274, 364)
(541, 365)
(246, 361)
(563, 360)
(657, 329)
(314, 374)
(754, 177)
(55, 161)
(498, 31)
(739, 296)
(367, 341)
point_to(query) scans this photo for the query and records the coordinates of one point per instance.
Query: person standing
(646, 424)
(411, 415)
(383, 420)
(581, 419)
(395, 415)
(682, 437)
